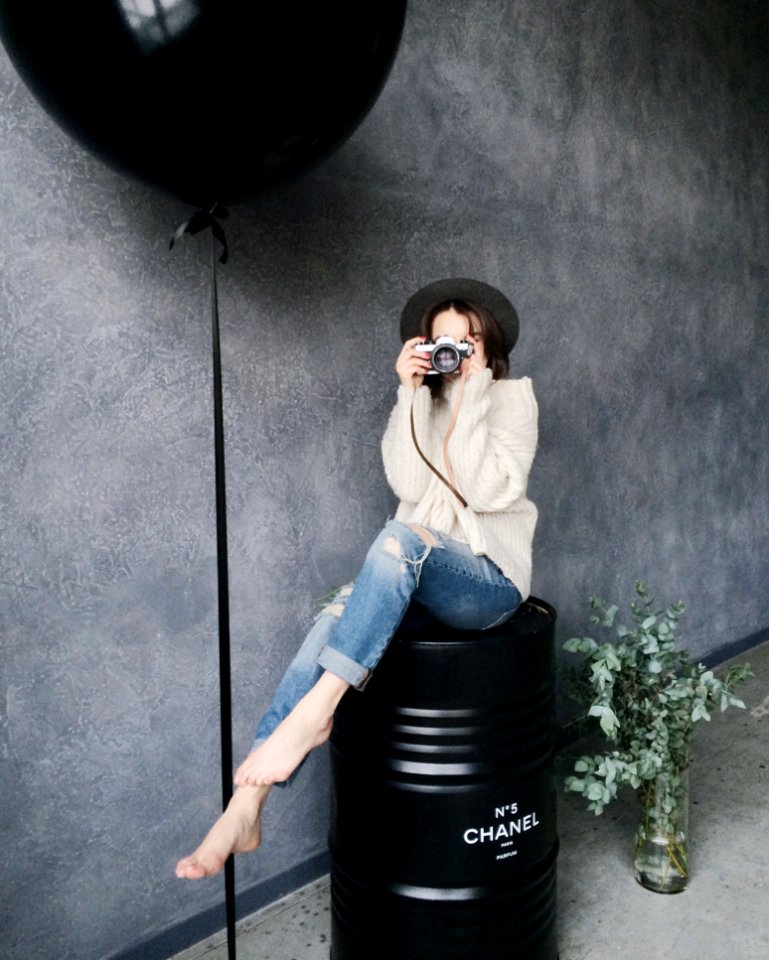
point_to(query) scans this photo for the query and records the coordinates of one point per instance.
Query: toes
(244, 775)
(262, 773)
(189, 869)
(258, 780)
(194, 868)
(251, 776)
(244, 779)
(245, 767)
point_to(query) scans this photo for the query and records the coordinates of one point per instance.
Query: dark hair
(482, 322)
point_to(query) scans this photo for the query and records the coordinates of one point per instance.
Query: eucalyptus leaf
(647, 697)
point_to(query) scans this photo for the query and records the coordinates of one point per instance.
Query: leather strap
(438, 474)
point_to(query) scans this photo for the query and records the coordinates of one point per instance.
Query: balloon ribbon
(200, 220)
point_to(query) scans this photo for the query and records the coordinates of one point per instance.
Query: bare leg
(306, 727)
(238, 830)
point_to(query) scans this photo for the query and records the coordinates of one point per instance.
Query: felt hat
(459, 288)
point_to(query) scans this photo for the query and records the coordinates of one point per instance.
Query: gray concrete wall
(605, 163)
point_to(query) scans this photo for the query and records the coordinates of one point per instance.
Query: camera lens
(446, 359)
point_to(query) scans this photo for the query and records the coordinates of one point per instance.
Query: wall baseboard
(202, 925)
(735, 648)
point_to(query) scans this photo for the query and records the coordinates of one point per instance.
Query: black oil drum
(443, 830)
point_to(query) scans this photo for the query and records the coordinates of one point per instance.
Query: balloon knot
(200, 220)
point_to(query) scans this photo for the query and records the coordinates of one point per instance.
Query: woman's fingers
(476, 362)
(411, 365)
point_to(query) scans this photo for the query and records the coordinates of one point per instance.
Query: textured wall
(604, 162)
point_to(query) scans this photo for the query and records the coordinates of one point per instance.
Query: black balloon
(207, 99)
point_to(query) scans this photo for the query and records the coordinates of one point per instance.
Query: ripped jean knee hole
(335, 604)
(393, 546)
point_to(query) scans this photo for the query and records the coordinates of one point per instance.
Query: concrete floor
(603, 912)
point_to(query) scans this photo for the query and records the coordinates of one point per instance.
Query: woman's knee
(422, 532)
(336, 602)
(408, 545)
(398, 537)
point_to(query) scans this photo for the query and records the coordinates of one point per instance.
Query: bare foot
(238, 830)
(306, 727)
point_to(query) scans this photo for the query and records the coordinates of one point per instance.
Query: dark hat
(458, 288)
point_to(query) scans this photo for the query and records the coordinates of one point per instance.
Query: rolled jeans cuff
(344, 667)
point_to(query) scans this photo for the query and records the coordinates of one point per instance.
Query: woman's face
(449, 323)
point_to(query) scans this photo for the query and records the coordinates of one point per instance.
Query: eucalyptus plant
(648, 698)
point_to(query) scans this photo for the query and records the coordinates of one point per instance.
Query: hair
(482, 322)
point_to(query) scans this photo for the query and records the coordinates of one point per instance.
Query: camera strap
(452, 424)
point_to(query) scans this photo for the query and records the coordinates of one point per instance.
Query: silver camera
(445, 353)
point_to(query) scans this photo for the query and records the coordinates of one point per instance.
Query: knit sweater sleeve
(494, 442)
(405, 470)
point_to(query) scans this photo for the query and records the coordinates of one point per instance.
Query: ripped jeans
(351, 634)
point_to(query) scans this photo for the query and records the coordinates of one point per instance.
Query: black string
(225, 676)
(197, 222)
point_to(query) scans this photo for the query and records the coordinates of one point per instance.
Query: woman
(457, 452)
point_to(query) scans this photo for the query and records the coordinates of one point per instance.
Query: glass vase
(660, 849)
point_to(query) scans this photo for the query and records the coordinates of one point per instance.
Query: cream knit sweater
(491, 451)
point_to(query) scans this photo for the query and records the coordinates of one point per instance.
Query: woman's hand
(411, 366)
(477, 361)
